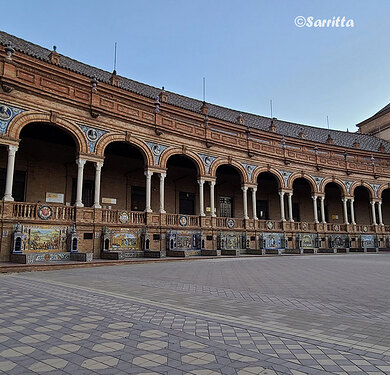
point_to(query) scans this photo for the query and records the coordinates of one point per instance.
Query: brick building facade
(91, 162)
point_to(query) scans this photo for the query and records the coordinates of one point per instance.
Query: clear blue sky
(249, 51)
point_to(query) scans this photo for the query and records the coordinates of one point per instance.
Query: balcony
(31, 213)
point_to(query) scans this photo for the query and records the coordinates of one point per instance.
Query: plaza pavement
(281, 315)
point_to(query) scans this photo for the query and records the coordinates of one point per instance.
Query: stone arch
(272, 171)
(179, 151)
(239, 167)
(338, 182)
(366, 185)
(25, 118)
(106, 139)
(306, 177)
(382, 188)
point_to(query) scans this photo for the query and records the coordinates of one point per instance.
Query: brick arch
(179, 151)
(367, 186)
(239, 167)
(25, 118)
(340, 184)
(273, 171)
(382, 188)
(106, 139)
(306, 177)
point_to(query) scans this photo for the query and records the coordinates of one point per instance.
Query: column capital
(148, 173)
(99, 164)
(81, 162)
(12, 149)
(244, 188)
(290, 193)
(212, 183)
(163, 175)
(281, 193)
(314, 197)
(201, 181)
(254, 188)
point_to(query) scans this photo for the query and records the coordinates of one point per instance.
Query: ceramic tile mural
(126, 239)
(44, 238)
(273, 241)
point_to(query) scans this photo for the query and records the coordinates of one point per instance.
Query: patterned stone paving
(96, 321)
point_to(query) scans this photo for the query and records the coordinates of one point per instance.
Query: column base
(78, 204)
(162, 211)
(149, 210)
(8, 198)
(97, 206)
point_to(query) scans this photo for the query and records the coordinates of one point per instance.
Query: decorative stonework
(45, 212)
(375, 187)
(318, 181)
(7, 113)
(348, 185)
(249, 169)
(286, 176)
(157, 150)
(207, 161)
(93, 135)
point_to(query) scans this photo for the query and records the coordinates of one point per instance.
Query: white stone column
(351, 202)
(314, 197)
(80, 173)
(212, 198)
(282, 216)
(345, 210)
(323, 209)
(10, 173)
(201, 197)
(245, 201)
(380, 213)
(373, 212)
(254, 208)
(148, 206)
(290, 210)
(98, 174)
(162, 194)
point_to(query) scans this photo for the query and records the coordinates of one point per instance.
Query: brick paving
(291, 315)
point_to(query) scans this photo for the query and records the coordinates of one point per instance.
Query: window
(225, 207)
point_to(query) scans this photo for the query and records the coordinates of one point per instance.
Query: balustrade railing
(22, 210)
(62, 213)
(182, 220)
(123, 217)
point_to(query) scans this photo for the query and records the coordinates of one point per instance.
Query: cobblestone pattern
(66, 322)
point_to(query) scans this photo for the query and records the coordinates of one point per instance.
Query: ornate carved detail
(7, 113)
(249, 169)
(94, 113)
(157, 150)
(348, 184)
(207, 161)
(6, 87)
(93, 135)
(375, 187)
(318, 181)
(286, 176)
(53, 117)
